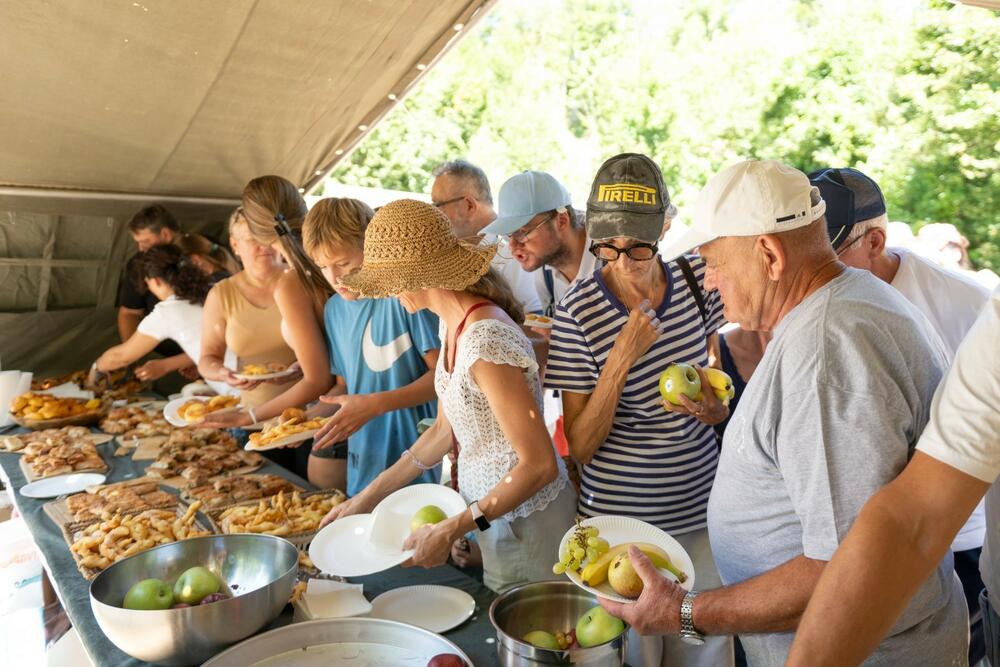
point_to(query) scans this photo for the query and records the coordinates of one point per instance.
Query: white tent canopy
(113, 104)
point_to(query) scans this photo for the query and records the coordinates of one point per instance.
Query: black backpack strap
(550, 285)
(694, 287)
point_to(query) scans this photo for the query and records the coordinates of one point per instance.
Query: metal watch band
(482, 523)
(687, 619)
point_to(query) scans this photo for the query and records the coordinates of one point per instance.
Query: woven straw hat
(409, 245)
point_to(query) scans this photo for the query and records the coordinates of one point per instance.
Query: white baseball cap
(749, 199)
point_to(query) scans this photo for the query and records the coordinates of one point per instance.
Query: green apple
(149, 594)
(427, 515)
(542, 639)
(680, 380)
(195, 583)
(597, 627)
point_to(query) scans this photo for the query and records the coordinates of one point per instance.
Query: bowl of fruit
(556, 623)
(181, 603)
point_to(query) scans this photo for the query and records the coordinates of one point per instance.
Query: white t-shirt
(964, 429)
(952, 303)
(180, 321)
(520, 281)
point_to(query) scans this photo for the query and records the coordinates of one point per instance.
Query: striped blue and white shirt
(654, 465)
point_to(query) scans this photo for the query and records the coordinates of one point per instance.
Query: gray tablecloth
(474, 636)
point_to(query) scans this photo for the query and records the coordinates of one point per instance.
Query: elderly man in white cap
(831, 414)
(545, 234)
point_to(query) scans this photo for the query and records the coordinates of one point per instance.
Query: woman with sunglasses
(615, 334)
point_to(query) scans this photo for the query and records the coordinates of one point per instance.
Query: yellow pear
(623, 578)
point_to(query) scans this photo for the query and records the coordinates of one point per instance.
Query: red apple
(447, 660)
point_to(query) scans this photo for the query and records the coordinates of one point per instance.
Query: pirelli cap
(628, 198)
(749, 199)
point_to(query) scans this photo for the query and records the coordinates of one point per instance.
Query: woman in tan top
(241, 314)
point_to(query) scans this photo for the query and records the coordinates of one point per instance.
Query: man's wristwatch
(688, 634)
(482, 523)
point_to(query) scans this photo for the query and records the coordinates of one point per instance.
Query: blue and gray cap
(850, 196)
(523, 197)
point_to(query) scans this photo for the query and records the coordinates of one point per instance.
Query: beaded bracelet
(416, 461)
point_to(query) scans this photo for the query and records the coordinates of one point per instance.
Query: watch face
(694, 640)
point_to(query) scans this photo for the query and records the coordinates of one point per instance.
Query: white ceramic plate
(171, 415)
(282, 442)
(53, 487)
(265, 376)
(343, 548)
(391, 517)
(621, 529)
(434, 608)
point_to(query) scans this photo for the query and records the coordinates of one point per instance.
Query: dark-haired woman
(274, 211)
(181, 287)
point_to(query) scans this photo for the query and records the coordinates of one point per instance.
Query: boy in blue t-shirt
(383, 357)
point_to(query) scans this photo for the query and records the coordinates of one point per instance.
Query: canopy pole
(105, 195)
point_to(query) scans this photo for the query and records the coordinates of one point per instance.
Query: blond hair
(275, 210)
(336, 221)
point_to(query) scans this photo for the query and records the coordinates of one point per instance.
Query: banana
(721, 384)
(596, 573)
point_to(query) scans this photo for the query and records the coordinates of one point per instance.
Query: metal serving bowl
(259, 569)
(549, 606)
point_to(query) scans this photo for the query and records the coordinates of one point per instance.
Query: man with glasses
(544, 234)
(616, 331)
(462, 192)
(856, 222)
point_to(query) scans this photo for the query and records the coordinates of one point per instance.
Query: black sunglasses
(639, 252)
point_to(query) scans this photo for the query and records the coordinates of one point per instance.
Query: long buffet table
(475, 636)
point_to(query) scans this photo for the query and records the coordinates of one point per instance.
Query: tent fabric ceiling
(194, 98)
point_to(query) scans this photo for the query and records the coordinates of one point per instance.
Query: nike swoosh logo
(380, 358)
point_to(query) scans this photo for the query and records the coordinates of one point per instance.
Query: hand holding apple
(657, 611)
(705, 407)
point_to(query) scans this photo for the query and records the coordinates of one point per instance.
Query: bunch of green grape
(585, 544)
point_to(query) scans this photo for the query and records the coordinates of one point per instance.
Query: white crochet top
(486, 454)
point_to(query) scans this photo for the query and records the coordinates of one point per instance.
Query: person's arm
(356, 410)
(898, 540)
(523, 424)
(128, 322)
(157, 368)
(137, 346)
(428, 450)
(771, 602)
(587, 418)
(211, 363)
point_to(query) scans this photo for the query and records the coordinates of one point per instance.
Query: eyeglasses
(639, 252)
(844, 248)
(521, 236)
(439, 204)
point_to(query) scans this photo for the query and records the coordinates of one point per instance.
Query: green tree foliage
(907, 92)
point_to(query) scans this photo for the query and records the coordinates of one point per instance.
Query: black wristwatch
(482, 523)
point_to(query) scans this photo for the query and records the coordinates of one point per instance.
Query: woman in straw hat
(489, 397)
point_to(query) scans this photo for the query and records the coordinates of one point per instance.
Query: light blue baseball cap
(523, 197)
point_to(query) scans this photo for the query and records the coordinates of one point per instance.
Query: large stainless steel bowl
(339, 641)
(260, 570)
(550, 606)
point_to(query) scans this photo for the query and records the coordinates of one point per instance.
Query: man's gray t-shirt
(831, 414)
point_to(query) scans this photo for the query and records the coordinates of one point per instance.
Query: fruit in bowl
(597, 626)
(195, 584)
(446, 660)
(542, 639)
(427, 515)
(149, 594)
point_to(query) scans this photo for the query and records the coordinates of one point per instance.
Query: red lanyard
(450, 367)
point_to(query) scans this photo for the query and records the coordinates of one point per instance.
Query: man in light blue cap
(537, 221)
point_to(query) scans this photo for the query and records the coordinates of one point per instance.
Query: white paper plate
(265, 376)
(53, 487)
(391, 517)
(343, 548)
(171, 415)
(434, 608)
(282, 442)
(620, 529)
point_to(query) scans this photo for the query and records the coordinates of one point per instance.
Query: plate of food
(291, 427)
(36, 410)
(594, 555)
(185, 410)
(289, 515)
(18, 442)
(536, 321)
(268, 371)
(61, 455)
